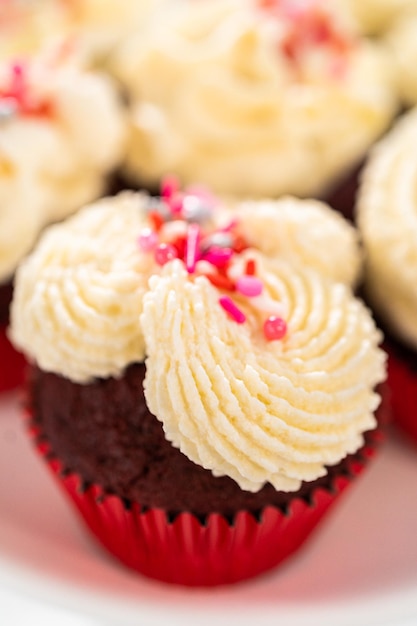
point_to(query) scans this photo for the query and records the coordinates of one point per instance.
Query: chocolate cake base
(6, 293)
(104, 432)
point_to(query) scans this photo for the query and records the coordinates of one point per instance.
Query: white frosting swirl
(78, 298)
(219, 102)
(254, 410)
(387, 217)
(402, 43)
(62, 314)
(376, 16)
(305, 233)
(20, 216)
(62, 158)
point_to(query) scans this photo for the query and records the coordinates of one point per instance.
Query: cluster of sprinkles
(16, 97)
(205, 251)
(309, 26)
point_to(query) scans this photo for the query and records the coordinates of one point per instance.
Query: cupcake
(386, 215)
(101, 25)
(97, 26)
(376, 16)
(27, 26)
(402, 44)
(201, 394)
(61, 133)
(248, 96)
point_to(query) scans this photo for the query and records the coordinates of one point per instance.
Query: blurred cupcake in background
(401, 41)
(387, 219)
(253, 97)
(62, 131)
(26, 26)
(98, 26)
(375, 17)
(203, 393)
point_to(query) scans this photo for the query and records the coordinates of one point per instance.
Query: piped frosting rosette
(256, 410)
(388, 223)
(62, 131)
(97, 26)
(259, 367)
(249, 98)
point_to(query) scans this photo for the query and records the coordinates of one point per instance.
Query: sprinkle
(249, 286)
(147, 239)
(230, 307)
(8, 108)
(250, 269)
(218, 239)
(221, 282)
(164, 253)
(191, 256)
(156, 219)
(230, 226)
(239, 244)
(218, 256)
(175, 204)
(195, 209)
(275, 328)
(169, 186)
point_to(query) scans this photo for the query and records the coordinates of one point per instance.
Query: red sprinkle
(250, 269)
(275, 328)
(156, 219)
(230, 307)
(221, 282)
(191, 255)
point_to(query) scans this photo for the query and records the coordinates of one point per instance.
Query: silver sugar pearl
(194, 209)
(8, 109)
(219, 240)
(155, 205)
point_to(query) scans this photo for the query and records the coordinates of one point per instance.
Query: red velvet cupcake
(201, 393)
(387, 209)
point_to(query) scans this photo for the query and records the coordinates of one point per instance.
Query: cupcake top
(387, 217)
(402, 44)
(26, 27)
(259, 365)
(248, 96)
(102, 24)
(377, 16)
(62, 130)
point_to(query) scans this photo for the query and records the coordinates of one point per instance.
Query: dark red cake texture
(104, 432)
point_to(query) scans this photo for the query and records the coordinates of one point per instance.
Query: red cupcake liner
(402, 380)
(12, 364)
(188, 551)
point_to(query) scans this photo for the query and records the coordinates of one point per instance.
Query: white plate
(359, 569)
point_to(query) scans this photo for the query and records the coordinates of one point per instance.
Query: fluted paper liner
(189, 551)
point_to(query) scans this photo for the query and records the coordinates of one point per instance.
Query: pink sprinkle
(275, 328)
(218, 256)
(164, 253)
(191, 255)
(230, 307)
(249, 286)
(230, 226)
(169, 186)
(147, 239)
